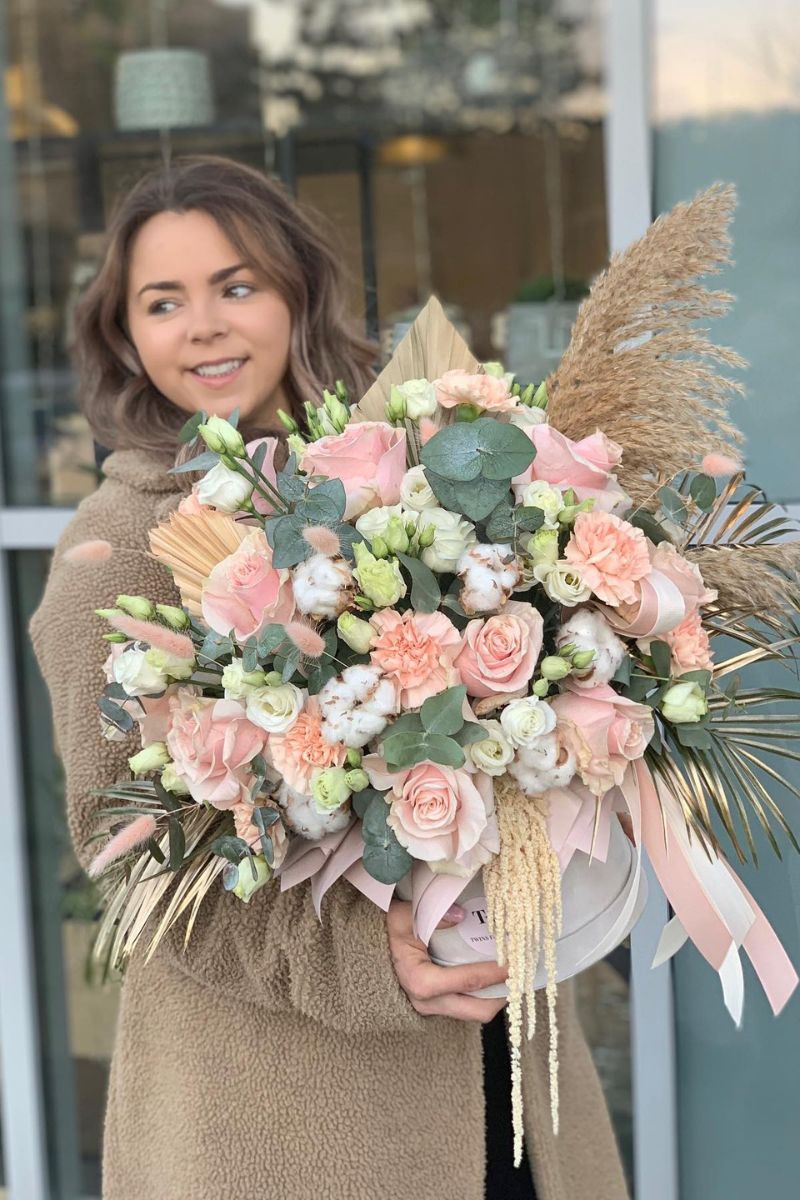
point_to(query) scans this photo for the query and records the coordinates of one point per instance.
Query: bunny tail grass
(137, 831)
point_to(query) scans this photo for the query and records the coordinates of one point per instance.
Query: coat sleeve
(273, 951)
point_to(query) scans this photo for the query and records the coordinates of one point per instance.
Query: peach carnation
(610, 555)
(302, 750)
(484, 391)
(689, 644)
(416, 651)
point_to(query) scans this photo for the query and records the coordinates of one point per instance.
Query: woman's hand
(438, 991)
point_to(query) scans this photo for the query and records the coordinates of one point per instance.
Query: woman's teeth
(216, 370)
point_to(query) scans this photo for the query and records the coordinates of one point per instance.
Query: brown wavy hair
(289, 243)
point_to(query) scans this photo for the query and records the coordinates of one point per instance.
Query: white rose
(525, 417)
(525, 721)
(415, 491)
(136, 674)
(170, 664)
(589, 630)
(374, 521)
(494, 753)
(322, 586)
(562, 583)
(227, 490)
(546, 497)
(274, 708)
(420, 398)
(453, 535)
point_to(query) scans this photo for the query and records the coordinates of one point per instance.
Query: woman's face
(210, 332)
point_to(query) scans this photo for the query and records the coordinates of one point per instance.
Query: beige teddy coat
(278, 1056)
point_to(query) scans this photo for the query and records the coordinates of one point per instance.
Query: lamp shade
(162, 88)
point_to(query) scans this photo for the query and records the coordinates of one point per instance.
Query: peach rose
(605, 731)
(609, 554)
(689, 644)
(212, 743)
(444, 816)
(302, 750)
(245, 592)
(499, 654)
(416, 651)
(586, 466)
(465, 387)
(686, 576)
(369, 458)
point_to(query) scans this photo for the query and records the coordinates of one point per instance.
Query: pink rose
(586, 466)
(499, 654)
(444, 816)
(610, 555)
(689, 644)
(190, 506)
(302, 751)
(686, 576)
(416, 651)
(260, 503)
(604, 731)
(245, 592)
(465, 387)
(212, 743)
(369, 458)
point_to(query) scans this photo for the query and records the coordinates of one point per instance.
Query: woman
(277, 1055)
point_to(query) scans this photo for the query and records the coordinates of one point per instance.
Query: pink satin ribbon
(661, 607)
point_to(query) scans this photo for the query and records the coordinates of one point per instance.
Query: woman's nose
(206, 322)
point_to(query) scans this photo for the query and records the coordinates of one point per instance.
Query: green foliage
(202, 462)
(188, 431)
(703, 490)
(425, 591)
(443, 713)
(384, 858)
(484, 448)
(475, 499)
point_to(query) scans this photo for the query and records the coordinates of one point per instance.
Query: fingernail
(455, 913)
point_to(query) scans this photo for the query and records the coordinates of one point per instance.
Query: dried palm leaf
(192, 544)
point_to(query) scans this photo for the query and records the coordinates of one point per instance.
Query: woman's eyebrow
(173, 285)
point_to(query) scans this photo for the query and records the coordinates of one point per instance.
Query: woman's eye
(247, 286)
(158, 307)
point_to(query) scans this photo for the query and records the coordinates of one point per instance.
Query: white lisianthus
(136, 673)
(546, 764)
(588, 629)
(322, 586)
(494, 753)
(171, 781)
(227, 490)
(374, 522)
(489, 573)
(524, 721)
(452, 535)
(355, 633)
(684, 703)
(543, 547)
(419, 396)
(246, 884)
(237, 682)
(152, 758)
(218, 434)
(525, 418)
(356, 705)
(330, 789)
(562, 583)
(415, 491)
(302, 815)
(546, 497)
(170, 664)
(274, 707)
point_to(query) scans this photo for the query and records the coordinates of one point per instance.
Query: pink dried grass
(322, 540)
(139, 830)
(148, 631)
(94, 551)
(305, 638)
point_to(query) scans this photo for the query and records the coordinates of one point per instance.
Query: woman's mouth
(219, 374)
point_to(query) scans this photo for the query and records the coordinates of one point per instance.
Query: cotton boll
(489, 573)
(548, 764)
(322, 586)
(588, 629)
(355, 706)
(302, 815)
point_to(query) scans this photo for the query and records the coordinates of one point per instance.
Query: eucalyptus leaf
(403, 750)
(188, 431)
(643, 519)
(259, 454)
(362, 800)
(202, 462)
(696, 736)
(177, 844)
(662, 657)
(408, 723)
(443, 713)
(271, 638)
(672, 503)
(291, 487)
(229, 847)
(485, 447)
(250, 655)
(169, 802)
(215, 646)
(384, 858)
(425, 591)
(703, 490)
(470, 732)
(373, 823)
(348, 536)
(453, 452)
(156, 851)
(285, 536)
(623, 672)
(116, 715)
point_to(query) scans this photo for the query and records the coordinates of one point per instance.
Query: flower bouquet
(467, 635)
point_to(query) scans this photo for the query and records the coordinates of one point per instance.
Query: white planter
(593, 895)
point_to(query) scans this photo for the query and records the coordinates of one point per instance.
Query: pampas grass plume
(139, 830)
(148, 631)
(306, 639)
(94, 551)
(322, 540)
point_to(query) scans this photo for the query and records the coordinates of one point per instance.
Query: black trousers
(503, 1180)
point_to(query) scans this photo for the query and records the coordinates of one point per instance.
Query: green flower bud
(116, 638)
(288, 422)
(152, 758)
(296, 444)
(540, 396)
(237, 682)
(684, 703)
(543, 547)
(395, 406)
(379, 547)
(330, 789)
(171, 781)
(364, 603)
(341, 390)
(247, 885)
(541, 688)
(354, 757)
(355, 633)
(567, 515)
(136, 606)
(567, 650)
(494, 368)
(109, 614)
(170, 664)
(273, 679)
(380, 580)
(467, 413)
(219, 435)
(339, 413)
(427, 537)
(175, 617)
(553, 667)
(583, 659)
(395, 537)
(357, 780)
(526, 396)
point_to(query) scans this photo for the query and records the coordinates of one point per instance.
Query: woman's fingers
(454, 916)
(462, 1008)
(429, 981)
